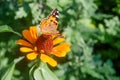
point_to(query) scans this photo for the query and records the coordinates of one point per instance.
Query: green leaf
(44, 73)
(38, 74)
(18, 59)
(31, 73)
(6, 28)
(47, 73)
(9, 72)
(91, 72)
(20, 13)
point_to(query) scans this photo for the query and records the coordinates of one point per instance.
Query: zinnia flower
(43, 45)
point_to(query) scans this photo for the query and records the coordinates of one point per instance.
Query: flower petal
(33, 31)
(28, 36)
(61, 50)
(59, 53)
(26, 49)
(31, 56)
(58, 40)
(24, 43)
(48, 59)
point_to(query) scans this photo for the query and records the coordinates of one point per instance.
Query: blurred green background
(91, 26)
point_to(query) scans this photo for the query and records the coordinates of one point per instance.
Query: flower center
(44, 44)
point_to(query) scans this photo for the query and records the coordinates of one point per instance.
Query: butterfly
(48, 26)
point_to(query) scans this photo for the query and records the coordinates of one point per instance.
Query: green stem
(38, 61)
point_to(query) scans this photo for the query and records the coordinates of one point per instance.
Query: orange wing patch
(49, 26)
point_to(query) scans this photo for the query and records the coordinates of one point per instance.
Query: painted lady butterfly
(49, 25)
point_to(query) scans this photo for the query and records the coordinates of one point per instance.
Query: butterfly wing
(49, 26)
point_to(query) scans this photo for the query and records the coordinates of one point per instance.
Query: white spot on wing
(57, 16)
(57, 11)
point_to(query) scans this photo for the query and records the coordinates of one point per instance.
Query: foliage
(91, 26)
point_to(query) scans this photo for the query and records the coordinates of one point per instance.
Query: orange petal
(48, 59)
(24, 43)
(61, 50)
(31, 56)
(26, 49)
(58, 40)
(34, 32)
(59, 53)
(28, 36)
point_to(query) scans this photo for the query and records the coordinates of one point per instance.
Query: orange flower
(43, 45)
